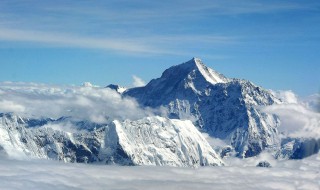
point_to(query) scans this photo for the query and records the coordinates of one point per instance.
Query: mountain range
(188, 100)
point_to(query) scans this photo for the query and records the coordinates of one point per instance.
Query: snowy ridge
(149, 141)
(210, 75)
(159, 141)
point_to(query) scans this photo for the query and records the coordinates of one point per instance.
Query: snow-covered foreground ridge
(148, 141)
(289, 175)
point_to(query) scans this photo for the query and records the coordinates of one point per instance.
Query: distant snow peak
(117, 88)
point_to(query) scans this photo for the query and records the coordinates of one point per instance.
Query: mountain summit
(196, 68)
(222, 107)
(187, 80)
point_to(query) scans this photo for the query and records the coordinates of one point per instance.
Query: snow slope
(159, 141)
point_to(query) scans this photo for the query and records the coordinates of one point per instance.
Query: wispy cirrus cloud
(152, 44)
(69, 40)
(144, 10)
(115, 16)
(125, 26)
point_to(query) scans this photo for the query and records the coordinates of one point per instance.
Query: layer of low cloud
(42, 174)
(297, 118)
(214, 142)
(84, 103)
(312, 102)
(10, 106)
(286, 96)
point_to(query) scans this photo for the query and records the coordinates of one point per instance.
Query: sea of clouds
(45, 174)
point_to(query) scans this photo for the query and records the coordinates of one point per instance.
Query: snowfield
(44, 174)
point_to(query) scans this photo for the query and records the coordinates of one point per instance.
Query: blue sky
(275, 44)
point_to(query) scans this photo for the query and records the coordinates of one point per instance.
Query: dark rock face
(264, 164)
(298, 148)
(226, 151)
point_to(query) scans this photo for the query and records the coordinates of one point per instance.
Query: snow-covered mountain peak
(196, 59)
(224, 108)
(196, 65)
(209, 74)
(191, 64)
(187, 80)
(117, 88)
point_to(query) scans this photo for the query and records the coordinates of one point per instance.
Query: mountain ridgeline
(193, 98)
(148, 141)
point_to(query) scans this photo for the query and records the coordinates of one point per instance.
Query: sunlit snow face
(84, 103)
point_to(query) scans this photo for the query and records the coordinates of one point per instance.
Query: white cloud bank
(137, 82)
(297, 119)
(43, 174)
(85, 103)
(312, 102)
